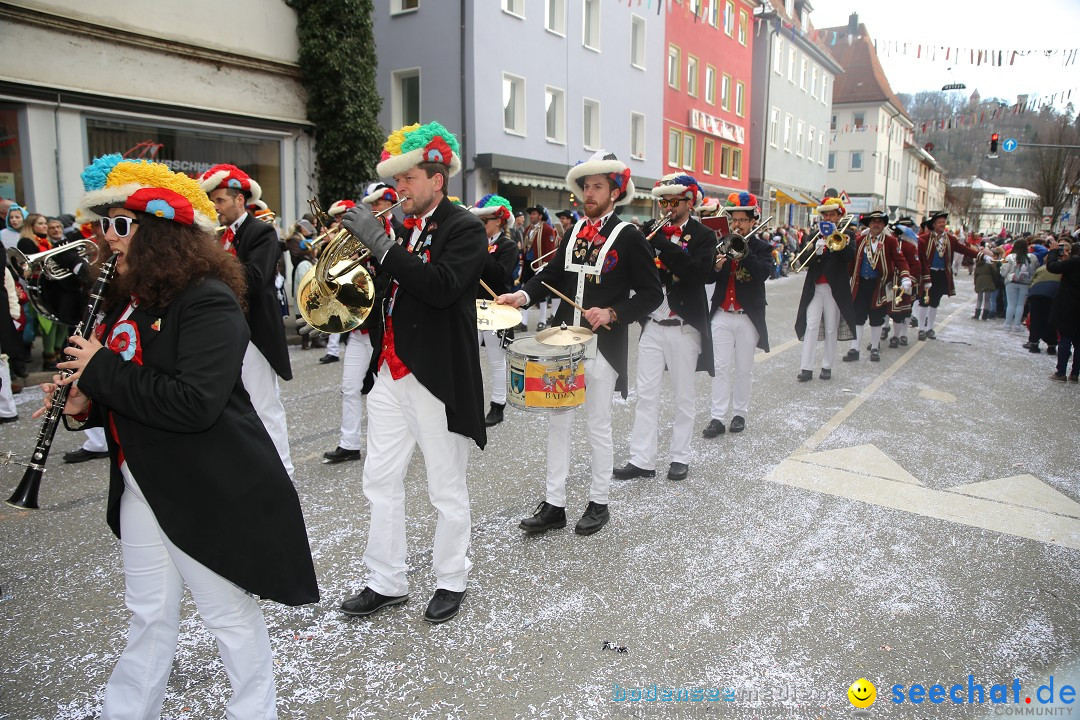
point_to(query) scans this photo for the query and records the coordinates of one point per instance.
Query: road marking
(939, 395)
(763, 356)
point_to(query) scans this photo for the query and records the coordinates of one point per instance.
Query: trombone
(836, 242)
(540, 261)
(734, 245)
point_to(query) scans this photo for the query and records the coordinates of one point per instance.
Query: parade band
(936, 250)
(878, 274)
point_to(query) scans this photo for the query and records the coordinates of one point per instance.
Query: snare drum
(544, 377)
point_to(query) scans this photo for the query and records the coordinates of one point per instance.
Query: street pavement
(913, 521)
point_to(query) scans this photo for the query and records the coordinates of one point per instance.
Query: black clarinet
(26, 495)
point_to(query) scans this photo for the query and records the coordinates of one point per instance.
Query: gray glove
(365, 227)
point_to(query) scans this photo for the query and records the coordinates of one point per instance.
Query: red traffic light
(994, 144)
(994, 137)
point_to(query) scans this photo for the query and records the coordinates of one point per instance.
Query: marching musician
(498, 273)
(197, 493)
(676, 334)
(255, 245)
(826, 292)
(738, 314)
(540, 240)
(333, 342)
(936, 249)
(878, 272)
(900, 310)
(425, 382)
(600, 261)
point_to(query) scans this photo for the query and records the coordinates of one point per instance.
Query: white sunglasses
(122, 224)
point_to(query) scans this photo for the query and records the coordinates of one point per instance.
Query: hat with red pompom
(743, 202)
(230, 176)
(147, 187)
(493, 205)
(678, 185)
(603, 163)
(414, 144)
(379, 191)
(340, 207)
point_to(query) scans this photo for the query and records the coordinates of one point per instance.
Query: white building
(191, 83)
(986, 208)
(923, 183)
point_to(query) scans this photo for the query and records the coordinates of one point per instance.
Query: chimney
(853, 23)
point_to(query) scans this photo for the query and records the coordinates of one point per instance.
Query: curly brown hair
(165, 257)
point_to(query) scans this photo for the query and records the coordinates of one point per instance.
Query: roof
(807, 35)
(980, 185)
(864, 79)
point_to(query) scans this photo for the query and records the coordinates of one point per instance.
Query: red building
(707, 97)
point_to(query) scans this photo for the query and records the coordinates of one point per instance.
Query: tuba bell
(41, 273)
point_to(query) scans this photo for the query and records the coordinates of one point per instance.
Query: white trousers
(734, 341)
(333, 345)
(95, 440)
(401, 415)
(678, 348)
(261, 382)
(497, 362)
(354, 367)
(155, 572)
(822, 304)
(600, 380)
(7, 399)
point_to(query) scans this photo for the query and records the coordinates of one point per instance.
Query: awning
(544, 182)
(790, 196)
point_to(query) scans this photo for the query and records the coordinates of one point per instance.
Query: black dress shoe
(894, 342)
(444, 605)
(903, 340)
(546, 517)
(805, 375)
(678, 471)
(540, 326)
(76, 456)
(595, 517)
(913, 323)
(825, 374)
(327, 359)
(930, 335)
(738, 424)
(340, 454)
(714, 428)
(629, 470)
(885, 331)
(369, 601)
(852, 356)
(875, 355)
(922, 334)
(13, 418)
(495, 414)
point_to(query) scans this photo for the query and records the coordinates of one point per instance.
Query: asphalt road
(913, 521)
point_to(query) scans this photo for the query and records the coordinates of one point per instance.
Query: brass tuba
(40, 271)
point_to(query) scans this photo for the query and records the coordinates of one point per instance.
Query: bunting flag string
(995, 57)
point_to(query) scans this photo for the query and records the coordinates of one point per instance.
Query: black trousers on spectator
(1039, 325)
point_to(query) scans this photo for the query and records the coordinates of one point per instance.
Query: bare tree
(1055, 169)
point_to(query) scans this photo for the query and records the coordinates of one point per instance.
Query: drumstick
(490, 291)
(572, 303)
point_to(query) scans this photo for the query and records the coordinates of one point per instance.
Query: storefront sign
(715, 126)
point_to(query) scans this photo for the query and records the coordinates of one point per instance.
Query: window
(799, 139)
(691, 75)
(707, 158)
(514, 7)
(714, 13)
(736, 164)
(832, 161)
(791, 65)
(810, 144)
(688, 151)
(674, 148)
(774, 125)
(637, 41)
(513, 104)
(405, 97)
(403, 6)
(778, 57)
(725, 91)
(832, 124)
(674, 60)
(813, 82)
(729, 18)
(590, 125)
(788, 122)
(555, 16)
(860, 121)
(825, 89)
(740, 97)
(725, 161)
(820, 148)
(856, 160)
(802, 74)
(637, 136)
(710, 84)
(590, 31)
(555, 114)
(744, 20)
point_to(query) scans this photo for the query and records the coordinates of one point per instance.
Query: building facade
(530, 87)
(987, 209)
(153, 80)
(707, 92)
(793, 79)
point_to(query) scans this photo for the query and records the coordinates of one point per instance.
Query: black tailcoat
(750, 293)
(257, 248)
(834, 265)
(499, 265)
(196, 446)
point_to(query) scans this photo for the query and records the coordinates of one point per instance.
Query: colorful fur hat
(379, 191)
(413, 144)
(602, 163)
(340, 207)
(148, 187)
(743, 201)
(230, 176)
(493, 206)
(709, 207)
(831, 203)
(678, 184)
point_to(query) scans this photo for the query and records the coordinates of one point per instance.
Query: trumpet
(660, 226)
(836, 242)
(42, 263)
(337, 294)
(734, 245)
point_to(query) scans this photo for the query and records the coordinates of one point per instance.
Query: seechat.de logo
(862, 693)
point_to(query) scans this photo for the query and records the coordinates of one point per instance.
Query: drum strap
(583, 269)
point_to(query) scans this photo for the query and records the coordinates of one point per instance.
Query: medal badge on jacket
(124, 341)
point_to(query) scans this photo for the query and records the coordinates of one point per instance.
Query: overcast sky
(1033, 24)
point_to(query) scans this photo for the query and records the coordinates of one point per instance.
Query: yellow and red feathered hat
(340, 207)
(414, 144)
(230, 176)
(147, 187)
(831, 204)
(493, 205)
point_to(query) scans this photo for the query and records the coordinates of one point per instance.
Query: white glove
(820, 246)
(906, 285)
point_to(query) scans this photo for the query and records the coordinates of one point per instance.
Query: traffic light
(993, 143)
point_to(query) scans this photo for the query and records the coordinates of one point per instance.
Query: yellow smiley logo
(862, 693)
